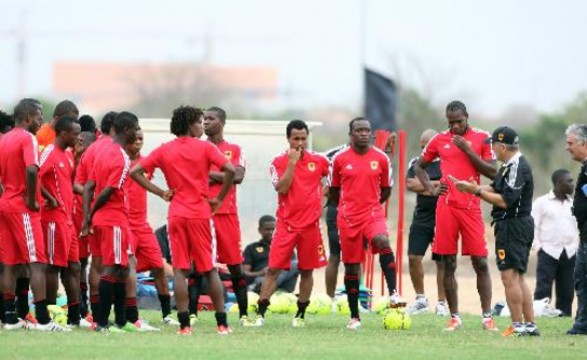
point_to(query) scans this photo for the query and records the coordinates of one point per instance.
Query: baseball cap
(505, 135)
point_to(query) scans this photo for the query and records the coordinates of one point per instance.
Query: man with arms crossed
(186, 163)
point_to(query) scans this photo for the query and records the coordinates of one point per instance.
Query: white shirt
(555, 227)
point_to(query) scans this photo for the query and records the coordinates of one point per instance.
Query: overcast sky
(490, 53)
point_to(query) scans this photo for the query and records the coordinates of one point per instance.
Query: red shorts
(191, 240)
(114, 244)
(352, 239)
(308, 242)
(94, 244)
(60, 243)
(22, 238)
(146, 248)
(451, 221)
(228, 239)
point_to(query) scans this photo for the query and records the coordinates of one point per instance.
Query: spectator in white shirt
(556, 238)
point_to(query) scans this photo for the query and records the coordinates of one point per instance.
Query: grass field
(324, 337)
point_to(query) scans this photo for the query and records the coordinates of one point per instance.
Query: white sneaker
(83, 323)
(396, 301)
(334, 307)
(50, 326)
(259, 321)
(143, 326)
(298, 322)
(441, 308)
(419, 306)
(21, 324)
(168, 320)
(353, 324)
(550, 311)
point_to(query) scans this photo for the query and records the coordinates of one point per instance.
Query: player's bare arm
(137, 173)
(414, 185)
(78, 189)
(285, 181)
(32, 178)
(484, 192)
(247, 271)
(385, 194)
(486, 168)
(334, 195)
(87, 194)
(217, 177)
(50, 201)
(229, 172)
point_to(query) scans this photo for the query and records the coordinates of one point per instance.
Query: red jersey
(18, 150)
(137, 200)
(301, 206)
(111, 168)
(453, 161)
(360, 178)
(56, 169)
(234, 154)
(186, 163)
(84, 168)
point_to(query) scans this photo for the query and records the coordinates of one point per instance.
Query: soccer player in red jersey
(145, 248)
(20, 221)
(82, 173)
(56, 174)
(360, 182)
(109, 218)
(464, 155)
(186, 163)
(226, 221)
(87, 138)
(297, 177)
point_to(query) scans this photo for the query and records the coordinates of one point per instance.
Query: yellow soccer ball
(396, 319)
(58, 314)
(252, 299)
(342, 305)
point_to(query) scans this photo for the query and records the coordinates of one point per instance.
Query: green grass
(324, 337)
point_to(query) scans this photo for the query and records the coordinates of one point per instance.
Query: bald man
(422, 233)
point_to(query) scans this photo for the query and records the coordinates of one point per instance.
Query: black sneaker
(533, 332)
(574, 331)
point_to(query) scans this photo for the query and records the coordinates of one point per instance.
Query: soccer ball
(381, 305)
(320, 304)
(57, 314)
(342, 305)
(253, 298)
(280, 304)
(233, 308)
(396, 319)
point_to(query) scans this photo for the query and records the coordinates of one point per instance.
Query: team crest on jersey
(228, 154)
(501, 254)
(311, 166)
(374, 165)
(259, 249)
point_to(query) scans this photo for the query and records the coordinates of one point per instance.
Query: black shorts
(421, 236)
(333, 239)
(513, 240)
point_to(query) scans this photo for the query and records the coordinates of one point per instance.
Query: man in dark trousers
(577, 147)
(510, 193)
(556, 238)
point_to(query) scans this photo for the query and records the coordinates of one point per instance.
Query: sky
(492, 54)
